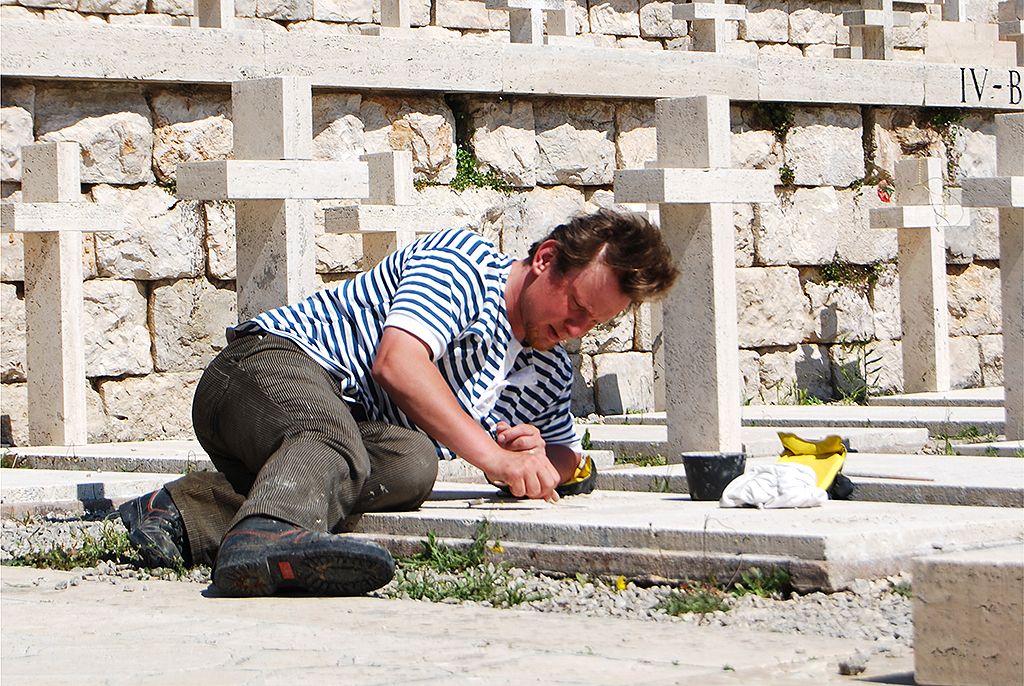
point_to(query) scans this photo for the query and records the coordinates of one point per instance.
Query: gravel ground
(869, 611)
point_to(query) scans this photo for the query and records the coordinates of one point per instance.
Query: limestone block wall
(818, 294)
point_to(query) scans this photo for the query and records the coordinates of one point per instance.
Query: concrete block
(693, 186)
(969, 617)
(271, 179)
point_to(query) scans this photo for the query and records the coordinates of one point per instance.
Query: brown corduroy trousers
(286, 445)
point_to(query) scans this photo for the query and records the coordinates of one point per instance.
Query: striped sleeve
(555, 421)
(440, 295)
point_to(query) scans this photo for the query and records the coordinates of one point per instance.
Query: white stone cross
(1006, 192)
(526, 19)
(274, 183)
(707, 22)
(871, 35)
(954, 10)
(217, 14)
(921, 219)
(694, 188)
(52, 218)
(395, 14)
(1011, 25)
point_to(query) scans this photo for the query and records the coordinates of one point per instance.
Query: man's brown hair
(628, 243)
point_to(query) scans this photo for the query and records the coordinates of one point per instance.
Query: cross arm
(707, 10)
(271, 180)
(694, 186)
(34, 217)
(1002, 191)
(874, 18)
(378, 218)
(919, 216)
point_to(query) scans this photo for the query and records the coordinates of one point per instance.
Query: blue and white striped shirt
(448, 290)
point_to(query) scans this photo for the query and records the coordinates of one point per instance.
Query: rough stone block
(469, 14)
(975, 150)
(424, 125)
(743, 220)
(609, 337)
(112, 6)
(979, 241)
(153, 407)
(111, 123)
(615, 17)
(656, 21)
(802, 230)
(914, 35)
(811, 22)
(116, 336)
(767, 21)
(337, 129)
(964, 362)
(163, 239)
(824, 146)
(840, 312)
(189, 318)
(780, 50)
(219, 239)
(14, 404)
(12, 335)
(784, 374)
(624, 382)
(749, 378)
(17, 103)
(875, 368)
(991, 360)
(530, 216)
(974, 299)
(343, 10)
(289, 10)
(178, 8)
(885, 300)
(575, 142)
(503, 138)
(771, 306)
(338, 253)
(756, 150)
(189, 127)
(969, 617)
(583, 402)
(635, 142)
(859, 243)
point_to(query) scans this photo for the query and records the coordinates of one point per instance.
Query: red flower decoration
(885, 193)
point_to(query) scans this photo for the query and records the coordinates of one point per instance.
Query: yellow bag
(825, 457)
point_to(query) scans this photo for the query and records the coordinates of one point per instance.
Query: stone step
(991, 449)
(962, 397)
(25, 491)
(938, 420)
(667, 535)
(928, 479)
(651, 439)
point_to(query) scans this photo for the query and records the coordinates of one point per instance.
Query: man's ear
(545, 256)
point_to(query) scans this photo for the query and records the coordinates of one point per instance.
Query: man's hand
(520, 438)
(529, 473)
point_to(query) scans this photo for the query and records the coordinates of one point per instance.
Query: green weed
(586, 441)
(85, 550)
(859, 277)
(787, 175)
(775, 583)
(699, 599)
(902, 589)
(774, 116)
(642, 460)
(442, 557)
(859, 372)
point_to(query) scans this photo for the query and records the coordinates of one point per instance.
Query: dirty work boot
(262, 555)
(155, 527)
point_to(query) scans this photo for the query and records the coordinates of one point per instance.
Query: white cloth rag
(774, 486)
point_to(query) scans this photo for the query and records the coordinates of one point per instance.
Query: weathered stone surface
(624, 382)
(824, 147)
(112, 6)
(337, 129)
(750, 383)
(840, 312)
(326, 28)
(116, 337)
(480, 209)
(755, 149)
(615, 17)
(656, 21)
(801, 228)
(17, 102)
(424, 125)
(644, 338)
(293, 10)
(219, 238)
(811, 22)
(469, 14)
(189, 318)
(503, 138)
(153, 19)
(780, 50)
(575, 142)
(885, 301)
(41, 4)
(974, 149)
(419, 12)
(339, 253)
(979, 241)
(190, 127)
(530, 216)
(913, 36)
(785, 374)
(743, 219)
(991, 360)
(858, 243)
(150, 407)
(875, 368)
(173, 7)
(613, 336)
(12, 335)
(12, 257)
(964, 362)
(583, 385)
(898, 132)
(73, 17)
(343, 10)
(974, 301)
(164, 238)
(636, 43)
(820, 51)
(112, 124)
(14, 404)
(772, 307)
(767, 21)
(636, 141)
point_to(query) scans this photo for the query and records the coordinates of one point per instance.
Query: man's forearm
(565, 460)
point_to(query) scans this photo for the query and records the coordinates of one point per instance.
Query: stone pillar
(694, 188)
(708, 19)
(273, 181)
(52, 217)
(921, 220)
(526, 19)
(1007, 193)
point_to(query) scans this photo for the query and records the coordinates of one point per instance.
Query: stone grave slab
(991, 396)
(667, 535)
(922, 479)
(39, 490)
(991, 449)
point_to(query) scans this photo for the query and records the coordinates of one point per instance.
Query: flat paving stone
(926, 479)
(936, 419)
(992, 396)
(104, 633)
(652, 439)
(667, 535)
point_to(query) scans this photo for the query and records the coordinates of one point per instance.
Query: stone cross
(1006, 192)
(526, 19)
(1011, 25)
(216, 14)
(921, 219)
(694, 188)
(274, 182)
(707, 22)
(52, 218)
(395, 14)
(871, 35)
(954, 10)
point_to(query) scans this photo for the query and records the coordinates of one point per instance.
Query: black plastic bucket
(707, 474)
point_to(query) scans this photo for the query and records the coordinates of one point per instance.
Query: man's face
(557, 307)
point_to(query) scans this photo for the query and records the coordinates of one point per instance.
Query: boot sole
(340, 568)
